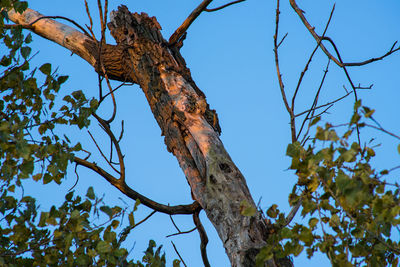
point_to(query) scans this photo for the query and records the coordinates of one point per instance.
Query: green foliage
(31, 117)
(351, 209)
(63, 236)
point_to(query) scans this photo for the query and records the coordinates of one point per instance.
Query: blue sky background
(230, 55)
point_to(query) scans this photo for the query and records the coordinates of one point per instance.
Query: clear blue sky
(230, 55)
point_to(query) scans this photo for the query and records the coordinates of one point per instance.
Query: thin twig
(292, 213)
(103, 23)
(115, 89)
(309, 62)
(77, 177)
(281, 85)
(182, 232)
(128, 229)
(90, 28)
(310, 114)
(179, 255)
(173, 222)
(324, 105)
(108, 131)
(382, 130)
(102, 154)
(188, 21)
(223, 6)
(203, 238)
(281, 41)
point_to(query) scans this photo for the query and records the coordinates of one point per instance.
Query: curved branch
(108, 131)
(203, 238)
(129, 192)
(317, 38)
(188, 21)
(223, 6)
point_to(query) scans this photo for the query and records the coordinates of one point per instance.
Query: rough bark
(190, 127)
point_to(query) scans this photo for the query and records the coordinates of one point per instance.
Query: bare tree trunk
(190, 127)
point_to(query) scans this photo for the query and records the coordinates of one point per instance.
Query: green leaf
(94, 103)
(25, 51)
(286, 233)
(293, 150)
(20, 6)
(107, 210)
(90, 193)
(131, 219)
(176, 263)
(114, 224)
(120, 252)
(246, 209)
(137, 203)
(46, 68)
(62, 79)
(273, 211)
(28, 38)
(75, 214)
(369, 113)
(398, 148)
(264, 255)
(11, 188)
(103, 247)
(357, 104)
(43, 218)
(313, 222)
(315, 121)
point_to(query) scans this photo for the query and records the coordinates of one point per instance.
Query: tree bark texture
(190, 127)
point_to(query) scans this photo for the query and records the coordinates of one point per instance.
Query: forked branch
(318, 38)
(129, 192)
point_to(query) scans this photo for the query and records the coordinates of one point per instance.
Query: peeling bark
(190, 127)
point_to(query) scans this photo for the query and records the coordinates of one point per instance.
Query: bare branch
(223, 6)
(77, 177)
(309, 62)
(179, 255)
(188, 21)
(281, 41)
(292, 213)
(314, 104)
(182, 232)
(102, 154)
(123, 235)
(379, 128)
(129, 192)
(30, 25)
(203, 238)
(281, 85)
(90, 28)
(173, 222)
(339, 62)
(107, 129)
(324, 105)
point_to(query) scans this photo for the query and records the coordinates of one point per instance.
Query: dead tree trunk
(190, 127)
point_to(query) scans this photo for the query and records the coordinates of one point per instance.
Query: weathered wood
(190, 127)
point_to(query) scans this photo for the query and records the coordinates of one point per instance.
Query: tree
(336, 181)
